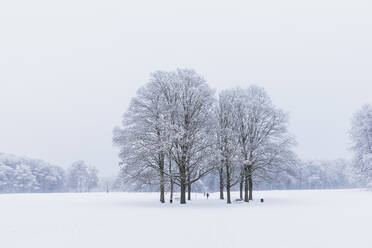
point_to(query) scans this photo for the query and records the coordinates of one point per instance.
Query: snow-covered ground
(329, 218)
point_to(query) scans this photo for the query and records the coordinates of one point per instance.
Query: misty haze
(185, 123)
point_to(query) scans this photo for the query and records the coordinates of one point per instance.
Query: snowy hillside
(334, 218)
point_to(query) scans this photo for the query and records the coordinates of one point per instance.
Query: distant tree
(361, 136)
(326, 174)
(92, 178)
(24, 180)
(54, 179)
(6, 177)
(81, 177)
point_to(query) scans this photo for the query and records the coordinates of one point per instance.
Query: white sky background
(69, 68)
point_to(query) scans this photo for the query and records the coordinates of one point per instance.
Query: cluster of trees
(176, 131)
(20, 175)
(361, 136)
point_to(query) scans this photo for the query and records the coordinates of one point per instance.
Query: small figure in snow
(207, 196)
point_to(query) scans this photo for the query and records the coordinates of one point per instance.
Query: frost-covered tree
(227, 143)
(265, 144)
(53, 179)
(21, 174)
(23, 179)
(81, 177)
(143, 135)
(331, 174)
(174, 133)
(166, 134)
(6, 178)
(92, 177)
(190, 127)
(361, 136)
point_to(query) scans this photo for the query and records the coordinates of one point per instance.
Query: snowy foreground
(334, 218)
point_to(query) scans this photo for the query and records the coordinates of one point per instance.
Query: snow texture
(318, 218)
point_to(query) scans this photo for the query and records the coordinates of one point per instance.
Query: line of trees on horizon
(177, 131)
(25, 175)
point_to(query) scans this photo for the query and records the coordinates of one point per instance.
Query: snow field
(319, 218)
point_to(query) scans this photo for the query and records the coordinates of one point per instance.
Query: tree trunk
(162, 179)
(228, 194)
(220, 172)
(162, 197)
(183, 193)
(171, 190)
(183, 185)
(250, 181)
(241, 187)
(246, 186)
(188, 176)
(189, 191)
(228, 185)
(171, 181)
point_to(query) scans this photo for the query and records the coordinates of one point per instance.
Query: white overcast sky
(69, 68)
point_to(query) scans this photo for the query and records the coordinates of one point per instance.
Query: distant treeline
(333, 174)
(25, 175)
